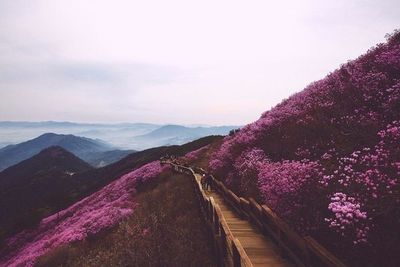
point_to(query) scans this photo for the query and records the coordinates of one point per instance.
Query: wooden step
(261, 250)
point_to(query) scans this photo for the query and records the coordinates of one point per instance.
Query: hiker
(208, 181)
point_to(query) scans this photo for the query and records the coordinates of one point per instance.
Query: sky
(212, 62)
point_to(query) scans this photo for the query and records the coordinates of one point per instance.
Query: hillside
(166, 229)
(327, 159)
(104, 158)
(89, 216)
(29, 189)
(53, 158)
(135, 219)
(80, 146)
(73, 188)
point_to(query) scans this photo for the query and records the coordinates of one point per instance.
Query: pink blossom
(348, 219)
(89, 216)
(193, 155)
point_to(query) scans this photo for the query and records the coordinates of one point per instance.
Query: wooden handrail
(241, 259)
(228, 247)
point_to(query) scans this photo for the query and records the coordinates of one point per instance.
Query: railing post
(216, 223)
(236, 255)
(223, 240)
(209, 210)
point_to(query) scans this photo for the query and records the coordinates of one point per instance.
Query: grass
(166, 229)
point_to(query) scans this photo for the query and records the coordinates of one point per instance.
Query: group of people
(206, 182)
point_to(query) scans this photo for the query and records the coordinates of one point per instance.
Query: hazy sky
(208, 61)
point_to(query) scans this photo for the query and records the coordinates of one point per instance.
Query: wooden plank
(253, 242)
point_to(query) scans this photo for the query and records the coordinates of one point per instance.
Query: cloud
(178, 61)
(67, 73)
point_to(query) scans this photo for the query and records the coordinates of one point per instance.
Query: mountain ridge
(36, 181)
(177, 134)
(82, 147)
(120, 135)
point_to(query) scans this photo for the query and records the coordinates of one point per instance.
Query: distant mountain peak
(51, 159)
(82, 147)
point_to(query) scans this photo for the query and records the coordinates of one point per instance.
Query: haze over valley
(136, 136)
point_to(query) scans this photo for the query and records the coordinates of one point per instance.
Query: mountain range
(55, 178)
(136, 136)
(95, 152)
(177, 135)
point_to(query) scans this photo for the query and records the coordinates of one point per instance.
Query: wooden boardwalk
(261, 250)
(245, 233)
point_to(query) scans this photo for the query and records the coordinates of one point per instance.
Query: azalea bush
(327, 159)
(194, 155)
(291, 189)
(247, 166)
(86, 218)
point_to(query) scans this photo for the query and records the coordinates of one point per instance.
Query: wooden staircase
(261, 250)
(245, 233)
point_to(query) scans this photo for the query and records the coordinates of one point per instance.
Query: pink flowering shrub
(340, 135)
(194, 155)
(89, 216)
(348, 218)
(222, 159)
(371, 177)
(291, 189)
(247, 166)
